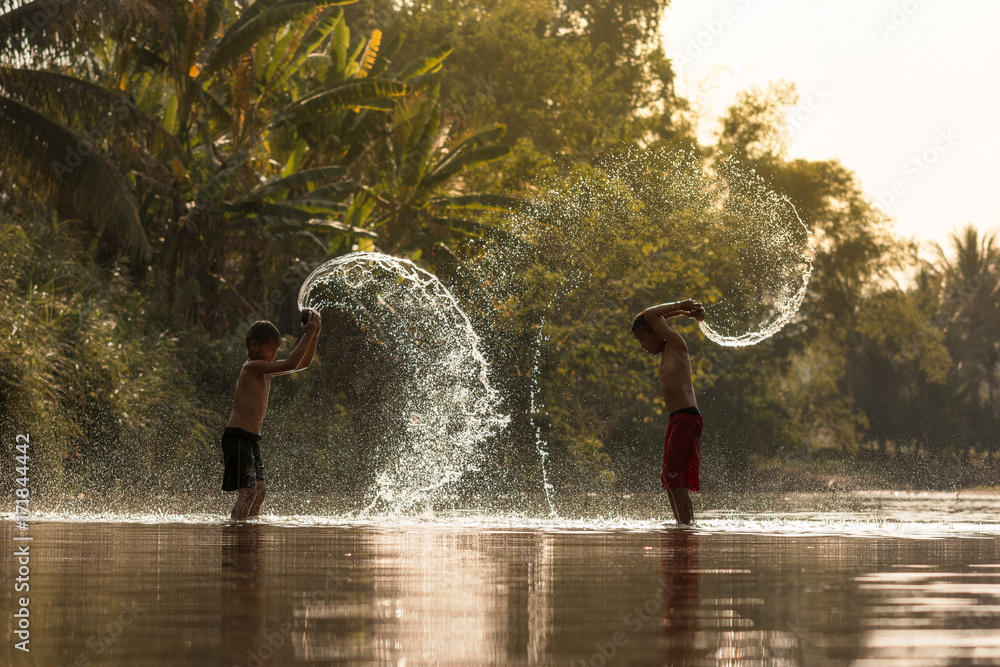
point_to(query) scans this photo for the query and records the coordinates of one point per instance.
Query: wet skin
(252, 390)
(674, 374)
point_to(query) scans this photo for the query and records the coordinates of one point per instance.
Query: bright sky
(905, 93)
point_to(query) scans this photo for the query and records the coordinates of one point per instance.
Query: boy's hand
(694, 309)
(314, 323)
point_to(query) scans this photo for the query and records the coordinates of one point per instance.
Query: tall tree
(567, 77)
(56, 128)
(969, 279)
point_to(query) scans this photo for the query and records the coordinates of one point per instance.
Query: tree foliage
(175, 169)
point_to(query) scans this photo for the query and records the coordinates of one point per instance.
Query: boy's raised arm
(688, 307)
(303, 353)
(311, 349)
(656, 316)
(300, 357)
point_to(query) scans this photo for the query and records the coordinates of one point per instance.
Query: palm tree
(173, 133)
(970, 310)
(417, 199)
(223, 131)
(57, 130)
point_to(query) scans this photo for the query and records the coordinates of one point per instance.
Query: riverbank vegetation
(173, 172)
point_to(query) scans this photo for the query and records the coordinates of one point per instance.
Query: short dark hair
(262, 332)
(640, 323)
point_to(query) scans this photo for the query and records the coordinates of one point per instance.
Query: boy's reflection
(680, 593)
(242, 591)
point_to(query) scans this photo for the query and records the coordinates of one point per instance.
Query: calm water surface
(811, 589)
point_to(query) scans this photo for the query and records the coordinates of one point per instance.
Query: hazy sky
(906, 93)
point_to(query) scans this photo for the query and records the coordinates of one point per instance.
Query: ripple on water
(921, 515)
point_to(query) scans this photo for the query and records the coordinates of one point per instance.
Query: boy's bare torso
(674, 373)
(250, 401)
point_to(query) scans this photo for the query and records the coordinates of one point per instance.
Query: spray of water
(751, 251)
(711, 229)
(442, 392)
(785, 297)
(541, 448)
(754, 259)
(766, 252)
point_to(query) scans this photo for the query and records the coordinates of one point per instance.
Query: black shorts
(241, 457)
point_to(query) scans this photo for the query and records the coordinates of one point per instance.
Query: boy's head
(647, 337)
(263, 341)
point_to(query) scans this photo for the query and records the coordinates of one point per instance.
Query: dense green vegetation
(174, 170)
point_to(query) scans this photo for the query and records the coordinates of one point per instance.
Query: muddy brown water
(917, 586)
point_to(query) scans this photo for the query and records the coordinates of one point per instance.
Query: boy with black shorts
(244, 469)
(681, 448)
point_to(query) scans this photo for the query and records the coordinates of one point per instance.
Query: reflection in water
(933, 617)
(716, 626)
(539, 602)
(437, 597)
(429, 594)
(241, 621)
(258, 594)
(680, 592)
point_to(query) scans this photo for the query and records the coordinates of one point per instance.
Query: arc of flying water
(434, 434)
(786, 313)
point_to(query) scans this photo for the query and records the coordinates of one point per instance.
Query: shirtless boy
(681, 452)
(240, 449)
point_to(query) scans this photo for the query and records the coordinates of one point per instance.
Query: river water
(912, 580)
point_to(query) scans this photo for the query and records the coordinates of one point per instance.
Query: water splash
(886, 513)
(748, 252)
(769, 262)
(786, 298)
(448, 408)
(541, 447)
(752, 269)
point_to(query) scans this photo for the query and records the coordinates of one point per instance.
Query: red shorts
(682, 451)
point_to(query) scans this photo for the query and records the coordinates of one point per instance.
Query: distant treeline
(174, 170)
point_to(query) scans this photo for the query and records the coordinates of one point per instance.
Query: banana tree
(195, 89)
(242, 99)
(69, 142)
(221, 132)
(417, 198)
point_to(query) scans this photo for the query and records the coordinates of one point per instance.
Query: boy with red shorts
(681, 451)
